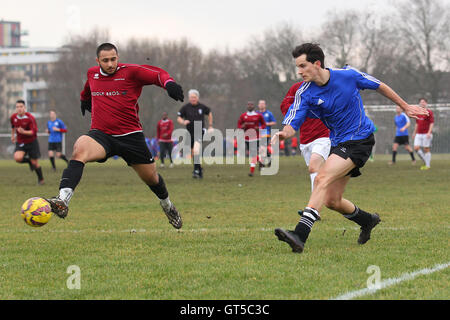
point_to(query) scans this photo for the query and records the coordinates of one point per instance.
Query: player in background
(333, 96)
(266, 133)
(164, 131)
(314, 137)
(251, 122)
(110, 93)
(24, 135)
(423, 135)
(187, 116)
(55, 129)
(402, 124)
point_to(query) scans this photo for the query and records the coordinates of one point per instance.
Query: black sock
(64, 158)
(394, 155)
(39, 173)
(72, 175)
(303, 228)
(160, 189)
(52, 160)
(359, 216)
(27, 160)
(412, 156)
(196, 167)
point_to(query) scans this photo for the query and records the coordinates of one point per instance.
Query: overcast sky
(208, 23)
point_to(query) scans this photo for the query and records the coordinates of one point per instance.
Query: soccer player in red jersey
(315, 141)
(423, 135)
(164, 131)
(110, 94)
(251, 122)
(24, 135)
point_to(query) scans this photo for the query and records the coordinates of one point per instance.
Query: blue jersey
(338, 104)
(55, 136)
(401, 121)
(268, 117)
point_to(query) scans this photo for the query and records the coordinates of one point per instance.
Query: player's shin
(161, 192)
(52, 161)
(303, 228)
(70, 179)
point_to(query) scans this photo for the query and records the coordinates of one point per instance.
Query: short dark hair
(313, 53)
(425, 99)
(107, 47)
(21, 101)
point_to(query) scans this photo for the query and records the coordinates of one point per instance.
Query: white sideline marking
(391, 282)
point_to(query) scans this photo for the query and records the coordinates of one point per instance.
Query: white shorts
(320, 146)
(421, 140)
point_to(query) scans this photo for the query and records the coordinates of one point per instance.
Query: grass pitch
(226, 249)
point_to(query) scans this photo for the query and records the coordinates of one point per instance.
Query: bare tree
(340, 36)
(424, 26)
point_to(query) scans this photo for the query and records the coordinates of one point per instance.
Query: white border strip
(391, 282)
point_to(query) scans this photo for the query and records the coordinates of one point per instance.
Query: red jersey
(311, 129)
(26, 122)
(164, 130)
(423, 122)
(251, 120)
(114, 97)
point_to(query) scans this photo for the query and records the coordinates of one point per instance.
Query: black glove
(85, 105)
(175, 91)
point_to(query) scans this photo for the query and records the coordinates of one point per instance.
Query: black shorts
(358, 151)
(132, 148)
(194, 138)
(30, 149)
(401, 140)
(55, 146)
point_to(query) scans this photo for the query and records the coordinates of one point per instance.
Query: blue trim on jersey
(338, 104)
(55, 136)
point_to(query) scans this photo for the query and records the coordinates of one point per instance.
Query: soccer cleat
(41, 182)
(291, 239)
(196, 174)
(424, 168)
(250, 174)
(364, 235)
(59, 207)
(173, 216)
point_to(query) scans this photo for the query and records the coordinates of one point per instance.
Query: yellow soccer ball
(36, 212)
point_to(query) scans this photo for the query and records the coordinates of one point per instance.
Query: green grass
(233, 254)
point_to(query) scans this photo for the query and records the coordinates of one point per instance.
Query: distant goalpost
(383, 117)
(7, 147)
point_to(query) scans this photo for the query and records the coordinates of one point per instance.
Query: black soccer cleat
(364, 236)
(173, 216)
(59, 207)
(291, 239)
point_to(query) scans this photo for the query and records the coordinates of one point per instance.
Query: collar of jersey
(107, 75)
(251, 113)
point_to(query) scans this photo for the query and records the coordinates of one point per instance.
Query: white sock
(313, 176)
(65, 194)
(165, 203)
(421, 154)
(428, 159)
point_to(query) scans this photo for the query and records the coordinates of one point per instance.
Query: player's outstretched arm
(411, 110)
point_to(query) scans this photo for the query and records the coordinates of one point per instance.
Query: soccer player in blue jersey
(402, 124)
(55, 129)
(266, 133)
(333, 96)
